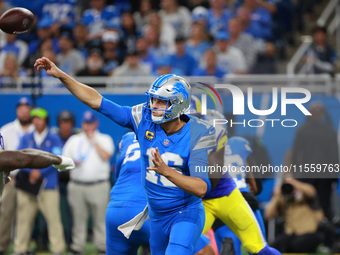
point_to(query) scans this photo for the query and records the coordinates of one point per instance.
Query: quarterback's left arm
(192, 185)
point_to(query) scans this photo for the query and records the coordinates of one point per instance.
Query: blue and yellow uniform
(236, 153)
(225, 202)
(176, 217)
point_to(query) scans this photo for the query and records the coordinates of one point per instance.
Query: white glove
(65, 165)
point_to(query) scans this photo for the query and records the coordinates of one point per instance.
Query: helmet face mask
(173, 89)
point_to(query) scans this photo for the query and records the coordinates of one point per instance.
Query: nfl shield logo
(166, 142)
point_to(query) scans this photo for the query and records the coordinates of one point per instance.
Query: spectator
(112, 53)
(229, 58)
(297, 203)
(244, 42)
(11, 74)
(315, 142)
(132, 67)
(198, 42)
(257, 21)
(97, 17)
(91, 151)
(163, 66)
(321, 57)
(66, 122)
(181, 59)
(200, 15)
(211, 68)
(144, 54)
(266, 62)
(12, 45)
(167, 32)
(130, 32)
(94, 67)
(70, 60)
(12, 132)
(49, 199)
(43, 34)
(177, 16)
(142, 15)
(158, 48)
(62, 13)
(218, 16)
(81, 42)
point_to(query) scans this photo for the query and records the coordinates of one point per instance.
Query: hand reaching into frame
(49, 66)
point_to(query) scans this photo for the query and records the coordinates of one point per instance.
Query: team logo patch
(166, 142)
(149, 135)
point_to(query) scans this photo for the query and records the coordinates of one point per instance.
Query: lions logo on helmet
(173, 89)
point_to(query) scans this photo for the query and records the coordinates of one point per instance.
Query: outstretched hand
(158, 164)
(49, 66)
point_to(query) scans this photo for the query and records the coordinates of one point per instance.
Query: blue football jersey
(96, 21)
(61, 11)
(128, 189)
(185, 151)
(236, 153)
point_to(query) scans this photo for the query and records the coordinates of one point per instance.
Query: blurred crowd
(150, 38)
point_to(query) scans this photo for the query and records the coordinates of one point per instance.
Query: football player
(237, 154)
(127, 199)
(28, 158)
(225, 201)
(173, 146)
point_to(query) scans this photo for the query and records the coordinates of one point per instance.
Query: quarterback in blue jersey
(225, 201)
(127, 199)
(237, 154)
(173, 146)
(29, 158)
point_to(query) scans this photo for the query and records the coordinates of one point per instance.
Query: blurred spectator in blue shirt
(257, 20)
(96, 18)
(218, 16)
(198, 42)
(211, 68)
(181, 59)
(17, 47)
(144, 54)
(43, 33)
(200, 15)
(62, 14)
(163, 66)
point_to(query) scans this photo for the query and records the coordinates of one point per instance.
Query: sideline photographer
(297, 202)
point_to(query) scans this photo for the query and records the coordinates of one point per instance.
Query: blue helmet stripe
(160, 80)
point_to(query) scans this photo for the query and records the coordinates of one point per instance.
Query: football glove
(65, 165)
